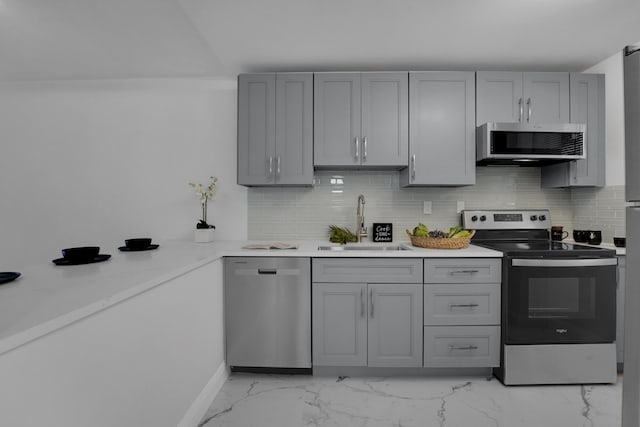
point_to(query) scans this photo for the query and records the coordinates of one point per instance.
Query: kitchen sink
(357, 247)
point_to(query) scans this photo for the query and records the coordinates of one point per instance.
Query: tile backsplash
(600, 209)
(305, 213)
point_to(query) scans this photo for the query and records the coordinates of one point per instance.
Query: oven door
(551, 301)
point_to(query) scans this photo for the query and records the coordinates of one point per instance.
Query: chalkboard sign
(382, 232)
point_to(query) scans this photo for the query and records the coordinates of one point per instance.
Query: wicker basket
(441, 242)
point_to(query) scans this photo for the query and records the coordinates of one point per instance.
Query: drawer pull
(472, 305)
(471, 347)
(464, 271)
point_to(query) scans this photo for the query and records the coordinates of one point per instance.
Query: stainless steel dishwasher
(268, 313)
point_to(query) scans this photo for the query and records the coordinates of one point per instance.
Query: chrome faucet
(361, 230)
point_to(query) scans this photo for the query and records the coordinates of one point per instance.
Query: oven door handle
(591, 262)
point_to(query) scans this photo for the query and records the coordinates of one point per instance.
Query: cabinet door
(622, 267)
(256, 128)
(385, 119)
(546, 97)
(395, 325)
(339, 319)
(587, 107)
(441, 129)
(499, 97)
(294, 129)
(336, 128)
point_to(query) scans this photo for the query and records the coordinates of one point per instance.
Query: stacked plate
(138, 244)
(81, 255)
(8, 276)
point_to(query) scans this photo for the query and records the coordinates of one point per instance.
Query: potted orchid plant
(204, 230)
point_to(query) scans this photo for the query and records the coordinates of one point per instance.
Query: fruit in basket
(421, 230)
(437, 234)
(453, 233)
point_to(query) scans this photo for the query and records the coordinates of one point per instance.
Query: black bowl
(138, 243)
(81, 253)
(620, 242)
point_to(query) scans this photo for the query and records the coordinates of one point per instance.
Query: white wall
(95, 162)
(614, 117)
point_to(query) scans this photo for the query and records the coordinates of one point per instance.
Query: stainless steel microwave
(527, 144)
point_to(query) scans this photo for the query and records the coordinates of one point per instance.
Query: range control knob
(533, 217)
(483, 218)
(474, 218)
(542, 217)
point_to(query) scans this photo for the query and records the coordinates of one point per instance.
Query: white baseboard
(199, 407)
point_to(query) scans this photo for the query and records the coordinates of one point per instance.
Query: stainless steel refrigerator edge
(268, 313)
(631, 383)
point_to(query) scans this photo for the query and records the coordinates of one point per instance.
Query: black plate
(148, 248)
(65, 261)
(8, 276)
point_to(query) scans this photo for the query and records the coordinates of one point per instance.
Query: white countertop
(619, 251)
(47, 297)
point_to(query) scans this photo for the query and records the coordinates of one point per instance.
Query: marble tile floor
(252, 400)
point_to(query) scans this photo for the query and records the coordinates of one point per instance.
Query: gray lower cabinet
(441, 129)
(622, 268)
(587, 107)
(275, 129)
(369, 319)
(462, 312)
(515, 97)
(361, 119)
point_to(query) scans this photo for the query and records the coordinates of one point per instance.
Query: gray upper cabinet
(275, 129)
(360, 119)
(512, 97)
(441, 129)
(587, 107)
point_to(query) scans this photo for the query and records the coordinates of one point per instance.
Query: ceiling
(93, 39)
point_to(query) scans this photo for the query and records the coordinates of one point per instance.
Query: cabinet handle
(521, 108)
(364, 148)
(270, 166)
(413, 167)
(472, 305)
(362, 302)
(371, 302)
(471, 347)
(528, 109)
(452, 272)
(278, 167)
(357, 141)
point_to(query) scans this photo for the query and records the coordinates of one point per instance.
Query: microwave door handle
(594, 262)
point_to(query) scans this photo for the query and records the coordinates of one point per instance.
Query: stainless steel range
(558, 301)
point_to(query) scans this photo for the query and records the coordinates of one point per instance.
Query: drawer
(462, 304)
(367, 270)
(463, 270)
(461, 346)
